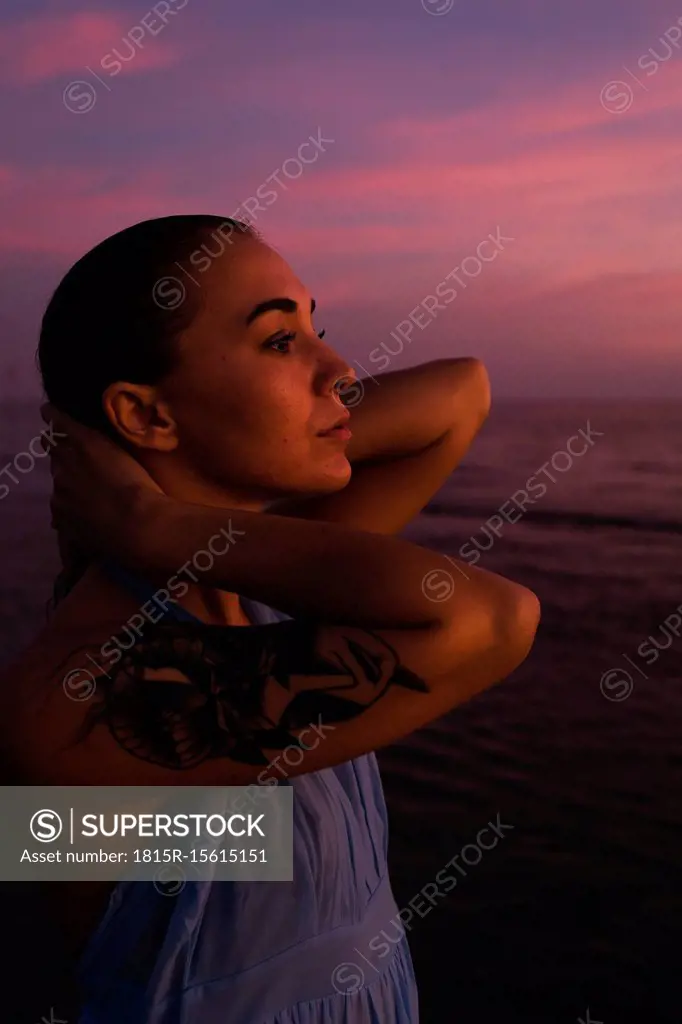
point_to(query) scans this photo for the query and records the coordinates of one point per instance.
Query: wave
(562, 518)
(657, 468)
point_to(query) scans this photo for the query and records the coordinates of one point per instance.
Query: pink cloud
(573, 211)
(561, 170)
(606, 319)
(578, 202)
(527, 110)
(574, 339)
(45, 47)
(56, 211)
(647, 306)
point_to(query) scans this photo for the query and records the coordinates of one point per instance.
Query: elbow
(482, 389)
(472, 377)
(491, 644)
(498, 633)
(519, 625)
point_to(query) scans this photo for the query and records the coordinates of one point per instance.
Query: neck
(186, 484)
(215, 607)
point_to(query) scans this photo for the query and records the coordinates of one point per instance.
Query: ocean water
(576, 912)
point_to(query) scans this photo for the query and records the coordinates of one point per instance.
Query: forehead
(247, 273)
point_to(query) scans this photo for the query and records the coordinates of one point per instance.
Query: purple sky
(554, 126)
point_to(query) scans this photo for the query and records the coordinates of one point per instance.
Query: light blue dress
(327, 948)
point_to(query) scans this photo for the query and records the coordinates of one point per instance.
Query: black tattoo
(187, 692)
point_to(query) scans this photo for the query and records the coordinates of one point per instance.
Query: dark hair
(115, 316)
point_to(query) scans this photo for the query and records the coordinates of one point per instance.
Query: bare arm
(375, 651)
(312, 569)
(213, 705)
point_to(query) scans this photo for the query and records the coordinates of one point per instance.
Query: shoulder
(44, 690)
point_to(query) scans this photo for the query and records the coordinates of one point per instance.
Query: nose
(335, 373)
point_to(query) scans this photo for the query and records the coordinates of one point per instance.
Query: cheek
(275, 405)
(246, 424)
(212, 395)
(240, 415)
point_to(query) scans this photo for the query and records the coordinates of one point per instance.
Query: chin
(332, 477)
(309, 479)
(330, 484)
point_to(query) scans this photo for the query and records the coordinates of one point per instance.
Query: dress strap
(144, 591)
(259, 614)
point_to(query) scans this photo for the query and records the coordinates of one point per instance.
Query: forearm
(407, 411)
(309, 568)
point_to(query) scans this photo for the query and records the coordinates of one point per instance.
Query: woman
(183, 413)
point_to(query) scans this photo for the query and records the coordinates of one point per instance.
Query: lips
(339, 430)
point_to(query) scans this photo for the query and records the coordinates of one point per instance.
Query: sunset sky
(555, 126)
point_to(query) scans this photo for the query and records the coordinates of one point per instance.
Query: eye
(281, 339)
(286, 339)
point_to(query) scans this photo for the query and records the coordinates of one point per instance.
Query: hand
(73, 556)
(100, 493)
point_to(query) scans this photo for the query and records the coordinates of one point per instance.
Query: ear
(140, 416)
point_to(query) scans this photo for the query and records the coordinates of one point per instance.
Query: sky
(496, 178)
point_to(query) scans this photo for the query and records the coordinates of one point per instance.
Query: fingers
(65, 437)
(71, 552)
(54, 521)
(57, 434)
(62, 425)
(57, 420)
(47, 444)
(64, 442)
(68, 433)
(62, 520)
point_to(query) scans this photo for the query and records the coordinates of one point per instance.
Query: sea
(573, 763)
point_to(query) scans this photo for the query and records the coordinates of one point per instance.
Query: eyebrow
(282, 304)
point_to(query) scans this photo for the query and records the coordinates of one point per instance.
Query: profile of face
(253, 386)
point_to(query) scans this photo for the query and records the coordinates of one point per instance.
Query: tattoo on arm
(187, 692)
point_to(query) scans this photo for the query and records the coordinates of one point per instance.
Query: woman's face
(255, 385)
